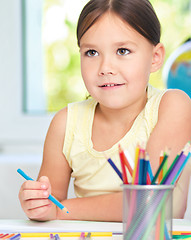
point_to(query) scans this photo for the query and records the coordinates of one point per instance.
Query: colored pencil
(88, 237)
(186, 237)
(141, 155)
(160, 168)
(145, 169)
(181, 168)
(5, 235)
(115, 168)
(57, 237)
(124, 174)
(160, 162)
(175, 169)
(50, 197)
(9, 236)
(130, 160)
(141, 167)
(64, 234)
(17, 236)
(170, 169)
(163, 228)
(136, 224)
(136, 163)
(82, 236)
(125, 160)
(51, 236)
(150, 173)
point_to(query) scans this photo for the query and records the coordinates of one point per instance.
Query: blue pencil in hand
(50, 197)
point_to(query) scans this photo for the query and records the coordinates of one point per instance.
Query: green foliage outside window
(63, 82)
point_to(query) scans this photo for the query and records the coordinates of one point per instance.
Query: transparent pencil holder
(147, 212)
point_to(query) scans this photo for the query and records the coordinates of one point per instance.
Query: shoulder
(57, 126)
(72, 111)
(60, 117)
(175, 103)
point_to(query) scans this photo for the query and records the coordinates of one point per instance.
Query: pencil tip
(120, 148)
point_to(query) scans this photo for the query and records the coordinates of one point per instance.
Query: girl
(119, 43)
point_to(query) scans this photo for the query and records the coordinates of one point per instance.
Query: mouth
(111, 85)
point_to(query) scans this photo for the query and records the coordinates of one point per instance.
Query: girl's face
(116, 62)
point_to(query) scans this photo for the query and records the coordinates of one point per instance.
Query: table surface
(27, 226)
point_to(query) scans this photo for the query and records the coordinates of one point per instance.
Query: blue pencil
(141, 167)
(181, 168)
(150, 171)
(56, 237)
(145, 170)
(16, 237)
(115, 168)
(50, 197)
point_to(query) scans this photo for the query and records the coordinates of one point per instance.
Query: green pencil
(170, 168)
(160, 168)
(181, 236)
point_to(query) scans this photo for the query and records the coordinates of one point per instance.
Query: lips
(111, 85)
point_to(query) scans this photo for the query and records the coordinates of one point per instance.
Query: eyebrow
(91, 46)
(87, 45)
(125, 43)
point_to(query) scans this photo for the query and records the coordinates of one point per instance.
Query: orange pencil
(160, 161)
(9, 235)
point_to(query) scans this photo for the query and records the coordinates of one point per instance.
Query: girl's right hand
(33, 196)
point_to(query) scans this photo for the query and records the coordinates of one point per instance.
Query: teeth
(110, 85)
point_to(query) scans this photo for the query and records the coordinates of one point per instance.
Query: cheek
(84, 70)
(88, 70)
(86, 75)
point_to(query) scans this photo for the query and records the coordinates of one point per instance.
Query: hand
(33, 196)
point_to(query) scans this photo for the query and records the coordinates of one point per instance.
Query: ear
(158, 57)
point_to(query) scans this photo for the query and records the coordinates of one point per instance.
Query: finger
(37, 203)
(44, 180)
(38, 212)
(34, 194)
(29, 185)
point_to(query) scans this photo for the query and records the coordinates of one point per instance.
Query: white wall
(21, 136)
(17, 131)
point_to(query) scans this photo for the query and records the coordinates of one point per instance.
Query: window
(51, 73)
(33, 89)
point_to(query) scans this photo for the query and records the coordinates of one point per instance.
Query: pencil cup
(147, 212)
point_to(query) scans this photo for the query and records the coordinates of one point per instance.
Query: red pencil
(122, 155)
(124, 174)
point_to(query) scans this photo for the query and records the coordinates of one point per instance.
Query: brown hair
(139, 14)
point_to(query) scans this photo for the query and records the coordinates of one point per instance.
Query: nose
(107, 67)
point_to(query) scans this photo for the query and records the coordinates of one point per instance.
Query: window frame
(19, 132)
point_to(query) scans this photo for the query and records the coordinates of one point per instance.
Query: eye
(123, 51)
(91, 53)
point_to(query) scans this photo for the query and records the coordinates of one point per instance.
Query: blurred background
(40, 74)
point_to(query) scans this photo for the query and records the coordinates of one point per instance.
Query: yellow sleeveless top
(92, 174)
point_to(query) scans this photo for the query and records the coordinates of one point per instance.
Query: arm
(173, 130)
(33, 194)
(106, 207)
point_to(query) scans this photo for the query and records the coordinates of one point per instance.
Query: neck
(124, 115)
